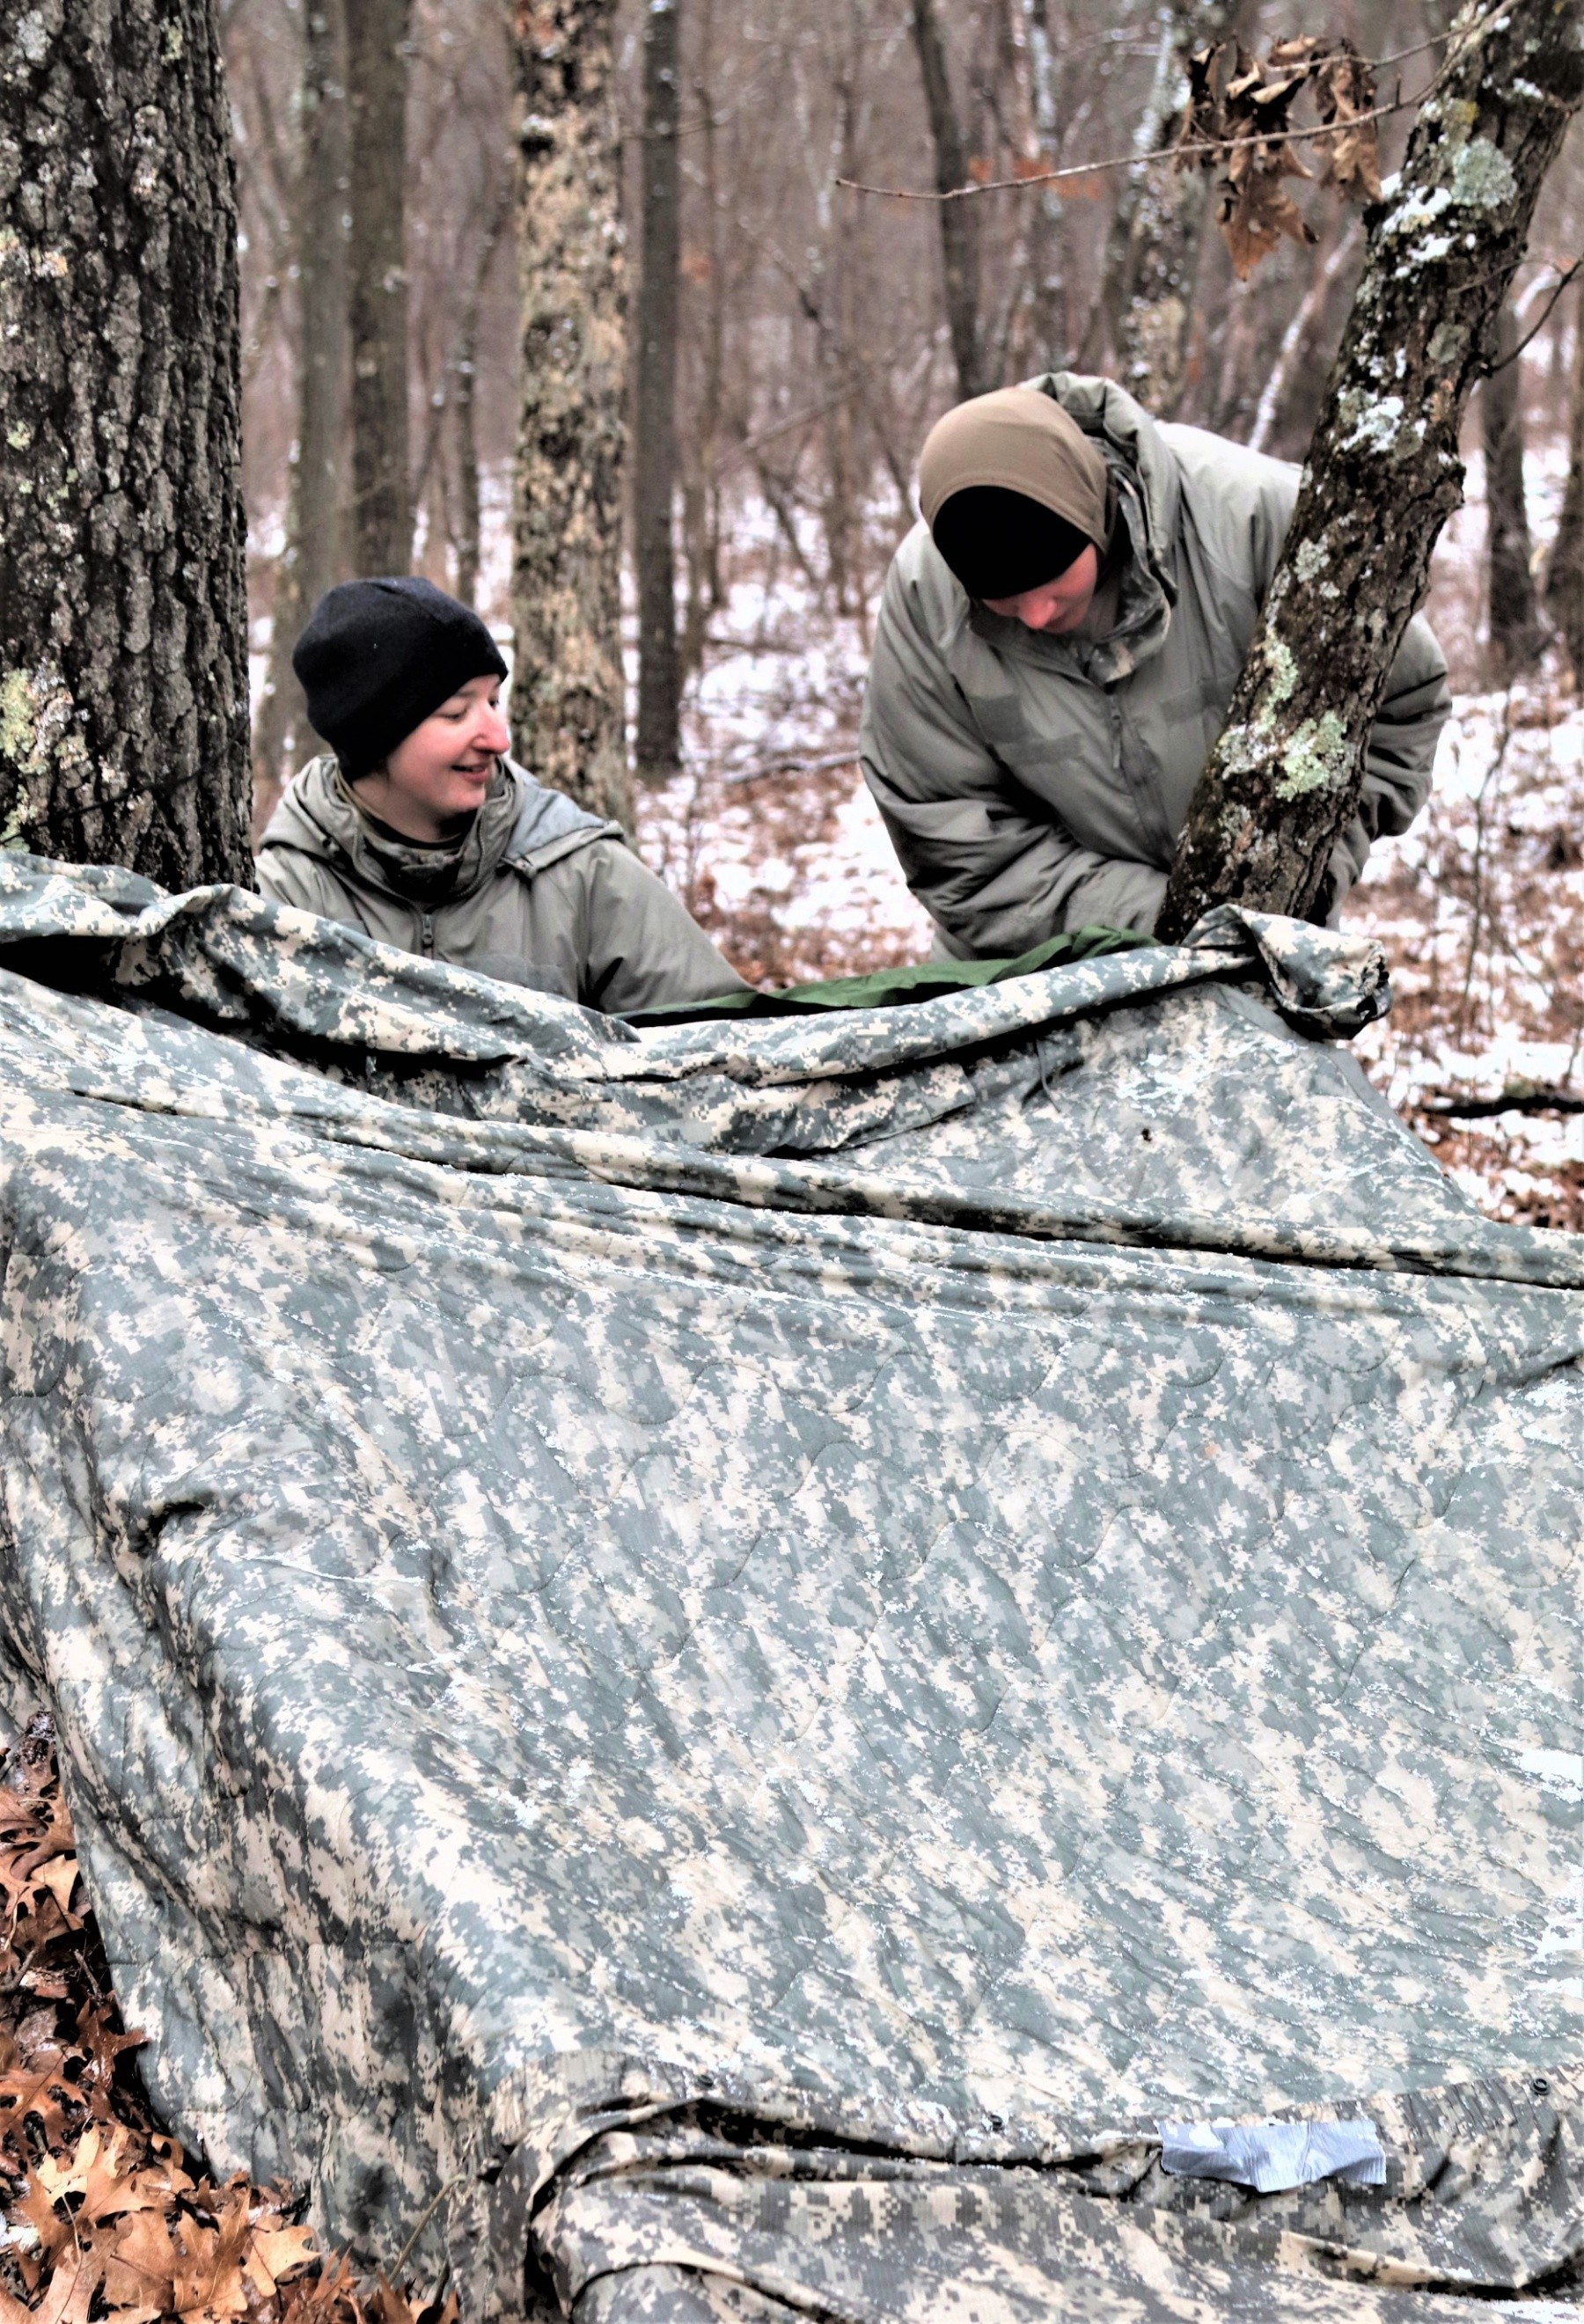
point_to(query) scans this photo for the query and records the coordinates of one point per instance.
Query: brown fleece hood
(1022, 440)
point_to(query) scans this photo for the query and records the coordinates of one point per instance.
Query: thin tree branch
(1577, 267)
(1215, 145)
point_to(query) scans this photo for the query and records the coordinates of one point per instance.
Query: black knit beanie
(998, 543)
(380, 656)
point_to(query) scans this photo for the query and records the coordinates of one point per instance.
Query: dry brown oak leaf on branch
(1239, 119)
(102, 2217)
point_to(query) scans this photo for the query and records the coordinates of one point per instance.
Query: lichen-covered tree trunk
(568, 705)
(654, 402)
(376, 87)
(1564, 573)
(123, 612)
(1152, 251)
(959, 247)
(1383, 473)
(308, 562)
(1515, 625)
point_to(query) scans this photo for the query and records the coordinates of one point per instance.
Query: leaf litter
(105, 2215)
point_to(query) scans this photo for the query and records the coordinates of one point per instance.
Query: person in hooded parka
(1057, 644)
(421, 830)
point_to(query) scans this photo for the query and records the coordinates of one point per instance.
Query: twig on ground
(1447, 1106)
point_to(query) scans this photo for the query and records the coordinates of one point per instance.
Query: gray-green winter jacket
(1031, 783)
(538, 892)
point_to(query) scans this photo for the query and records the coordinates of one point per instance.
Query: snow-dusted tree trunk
(1383, 473)
(569, 703)
(1151, 251)
(123, 614)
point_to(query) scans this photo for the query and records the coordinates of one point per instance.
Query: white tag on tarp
(1273, 2156)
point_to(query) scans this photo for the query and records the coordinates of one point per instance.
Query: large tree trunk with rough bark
(568, 695)
(376, 85)
(1151, 251)
(654, 402)
(1513, 622)
(310, 561)
(959, 249)
(1564, 573)
(1383, 473)
(122, 613)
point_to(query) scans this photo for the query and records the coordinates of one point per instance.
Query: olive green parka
(537, 892)
(1031, 783)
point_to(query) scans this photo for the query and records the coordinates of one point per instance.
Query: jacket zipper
(427, 932)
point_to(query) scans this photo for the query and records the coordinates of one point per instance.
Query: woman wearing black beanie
(421, 830)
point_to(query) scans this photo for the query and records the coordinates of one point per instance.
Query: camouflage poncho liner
(719, 1660)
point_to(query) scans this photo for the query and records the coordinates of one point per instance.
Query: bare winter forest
(818, 331)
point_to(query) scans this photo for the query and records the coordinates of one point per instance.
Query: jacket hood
(522, 822)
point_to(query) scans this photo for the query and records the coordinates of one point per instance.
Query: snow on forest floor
(773, 842)
(1480, 908)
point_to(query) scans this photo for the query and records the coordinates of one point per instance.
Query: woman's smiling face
(437, 775)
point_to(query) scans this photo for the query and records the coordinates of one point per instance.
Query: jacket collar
(521, 822)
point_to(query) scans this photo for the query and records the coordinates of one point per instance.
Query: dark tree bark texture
(377, 83)
(1564, 573)
(311, 561)
(567, 693)
(470, 496)
(122, 613)
(959, 250)
(654, 402)
(1515, 624)
(1151, 251)
(1383, 473)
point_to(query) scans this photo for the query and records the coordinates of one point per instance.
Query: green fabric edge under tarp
(883, 988)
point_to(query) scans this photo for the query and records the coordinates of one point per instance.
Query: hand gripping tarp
(743, 1651)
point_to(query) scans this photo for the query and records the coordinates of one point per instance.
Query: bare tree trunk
(1048, 326)
(123, 610)
(567, 694)
(1294, 350)
(654, 407)
(959, 250)
(1151, 251)
(1564, 574)
(1383, 473)
(701, 494)
(470, 498)
(376, 77)
(1515, 624)
(310, 561)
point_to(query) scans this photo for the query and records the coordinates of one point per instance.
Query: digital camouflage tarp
(739, 1650)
